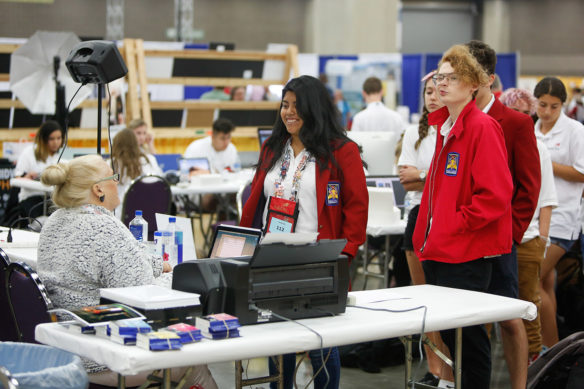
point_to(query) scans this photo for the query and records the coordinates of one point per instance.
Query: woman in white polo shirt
(564, 139)
(34, 160)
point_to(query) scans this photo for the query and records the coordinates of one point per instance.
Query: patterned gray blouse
(86, 248)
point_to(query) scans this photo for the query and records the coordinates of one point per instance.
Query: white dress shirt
(307, 209)
(377, 117)
(27, 163)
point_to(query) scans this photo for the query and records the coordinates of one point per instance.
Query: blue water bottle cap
(138, 213)
(172, 219)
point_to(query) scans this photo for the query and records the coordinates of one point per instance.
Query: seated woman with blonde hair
(83, 247)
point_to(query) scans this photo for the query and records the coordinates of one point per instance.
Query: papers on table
(374, 296)
(150, 297)
(290, 238)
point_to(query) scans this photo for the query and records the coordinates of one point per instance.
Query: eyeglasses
(115, 178)
(451, 78)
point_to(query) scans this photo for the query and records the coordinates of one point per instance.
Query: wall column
(496, 25)
(352, 26)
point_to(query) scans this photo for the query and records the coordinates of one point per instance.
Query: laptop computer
(263, 134)
(399, 193)
(186, 165)
(234, 241)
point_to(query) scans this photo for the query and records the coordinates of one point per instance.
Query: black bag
(561, 367)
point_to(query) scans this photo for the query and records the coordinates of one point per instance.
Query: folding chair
(28, 300)
(8, 332)
(152, 195)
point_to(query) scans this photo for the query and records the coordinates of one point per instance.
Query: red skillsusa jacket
(465, 212)
(345, 218)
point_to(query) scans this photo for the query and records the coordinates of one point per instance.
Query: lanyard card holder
(282, 215)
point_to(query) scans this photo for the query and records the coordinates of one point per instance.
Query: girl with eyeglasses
(465, 213)
(417, 150)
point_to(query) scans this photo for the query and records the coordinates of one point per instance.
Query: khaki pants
(529, 259)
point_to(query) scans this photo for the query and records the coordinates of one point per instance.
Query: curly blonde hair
(465, 65)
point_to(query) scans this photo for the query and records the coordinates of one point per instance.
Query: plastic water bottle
(139, 227)
(176, 254)
(158, 244)
(168, 248)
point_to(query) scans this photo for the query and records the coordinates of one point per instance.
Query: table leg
(121, 382)
(166, 382)
(365, 262)
(238, 374)
(386, 258)
(279, 378)
(458, 359)
(407, 340)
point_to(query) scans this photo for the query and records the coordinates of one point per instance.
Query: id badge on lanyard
(283, 213)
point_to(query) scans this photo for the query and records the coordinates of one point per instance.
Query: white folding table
(447, 308)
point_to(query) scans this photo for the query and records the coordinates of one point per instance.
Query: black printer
(291, 281)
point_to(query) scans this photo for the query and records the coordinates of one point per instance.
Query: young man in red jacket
(464, 221)
(523, 159)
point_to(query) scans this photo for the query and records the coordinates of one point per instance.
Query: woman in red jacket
(465, 214)
(310, 165)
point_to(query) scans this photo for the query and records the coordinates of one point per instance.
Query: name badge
(333, 190)
(282, 215)
(278, 225)
(452, 161)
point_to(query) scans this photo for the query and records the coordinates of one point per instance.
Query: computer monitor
(378, 150)
(234, 241)
(167, 161)
(263, 134)
(399, 193)
(186, 165)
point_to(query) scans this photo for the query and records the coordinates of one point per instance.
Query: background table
(223, 186)
(23, 247)
(446, 308)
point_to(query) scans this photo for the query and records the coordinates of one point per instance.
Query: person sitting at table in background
(33, 160)
(145, 137)
(464, 221)
(311, 164)
(220, 152)
(217, 148)
(417, 150)
(83, 247)
(130, 162)
(217, 93)
(237, 93)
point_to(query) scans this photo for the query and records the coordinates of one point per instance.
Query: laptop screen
(186, 165)
(399, 193)
(234, 241)
(263, 134)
